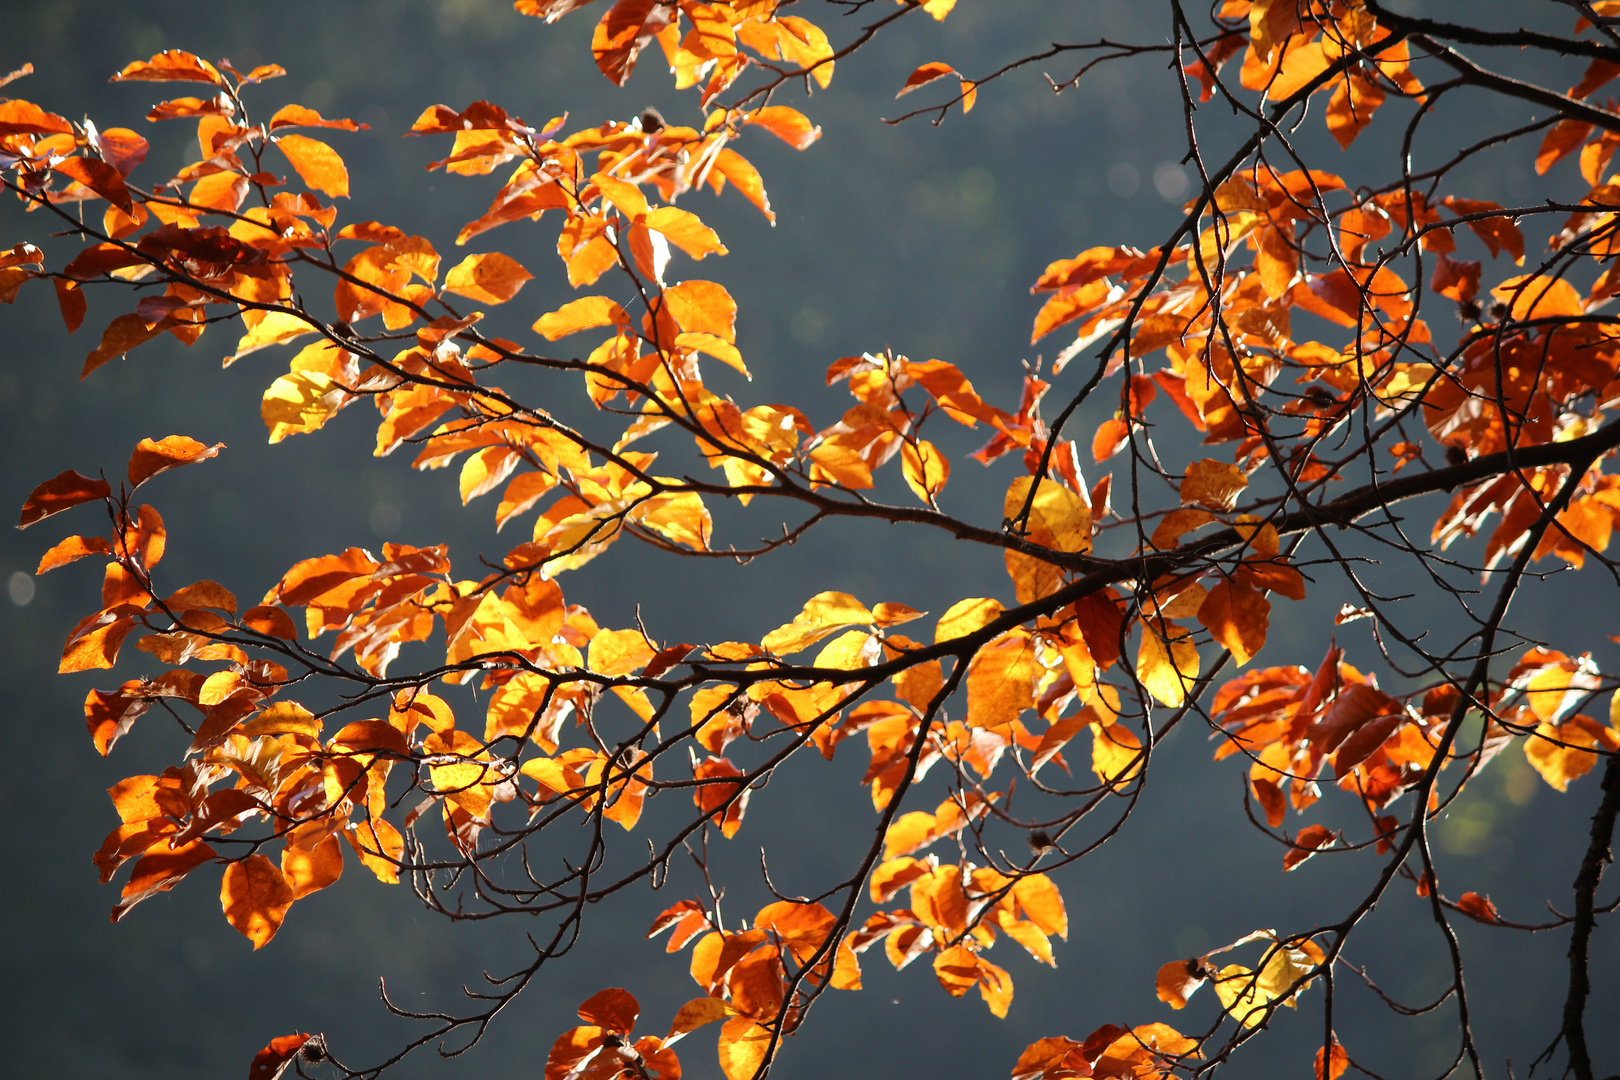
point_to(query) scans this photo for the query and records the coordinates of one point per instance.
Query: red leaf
(269, 1062)
(1478, 907)
(1310, 840)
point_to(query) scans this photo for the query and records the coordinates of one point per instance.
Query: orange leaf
(255, 896)
(1338, 1061)
(925, 75)
(694, 1014)
(1479, 907)
(63, 492)
(318, 164)
(159, 870)
(71, 550)
(101, 178)
(298, 116)
(1561, 140)
(1238, 617)
(489, 279)
(26, 118)
(1179, 980)
(787, 124)
(123, 334)
(151, 458)
(308, 871)
(703, 307)
(581, 314)
(173, 65)
(70, 299)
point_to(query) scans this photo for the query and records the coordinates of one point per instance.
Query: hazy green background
(917, 237)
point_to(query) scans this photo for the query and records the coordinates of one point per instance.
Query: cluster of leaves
(1117, 623)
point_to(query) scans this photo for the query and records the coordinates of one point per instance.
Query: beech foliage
(1316, 345)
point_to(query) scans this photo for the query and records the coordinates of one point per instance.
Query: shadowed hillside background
(916, 237)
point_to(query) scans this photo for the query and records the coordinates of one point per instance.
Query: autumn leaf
(269, 1063)
(256, 896)
(317, 164)
(173, 65)
(153, 456)
(1214, 485)
(1167, 665)
(787, 124)
(489, 279)
(64, 492)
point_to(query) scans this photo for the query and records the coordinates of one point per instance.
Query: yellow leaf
(1114, 753)
(822, 615)
(483, 471)
(1214, 485)
(1167, 669)
(1057, 517)
(1557, 751)
(966, 616)
(619, 652)
(925, 469)
(742, 1048)
(300, 402)
(849, 651)
(275, 328)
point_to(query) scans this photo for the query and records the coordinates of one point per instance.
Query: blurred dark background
(918, 237)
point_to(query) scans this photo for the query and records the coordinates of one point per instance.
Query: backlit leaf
(63, 492)
(318, 165)
(489, 279)
(153, 456)
(256, 896)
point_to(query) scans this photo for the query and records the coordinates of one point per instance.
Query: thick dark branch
(1598, 853)
(1507, 39)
